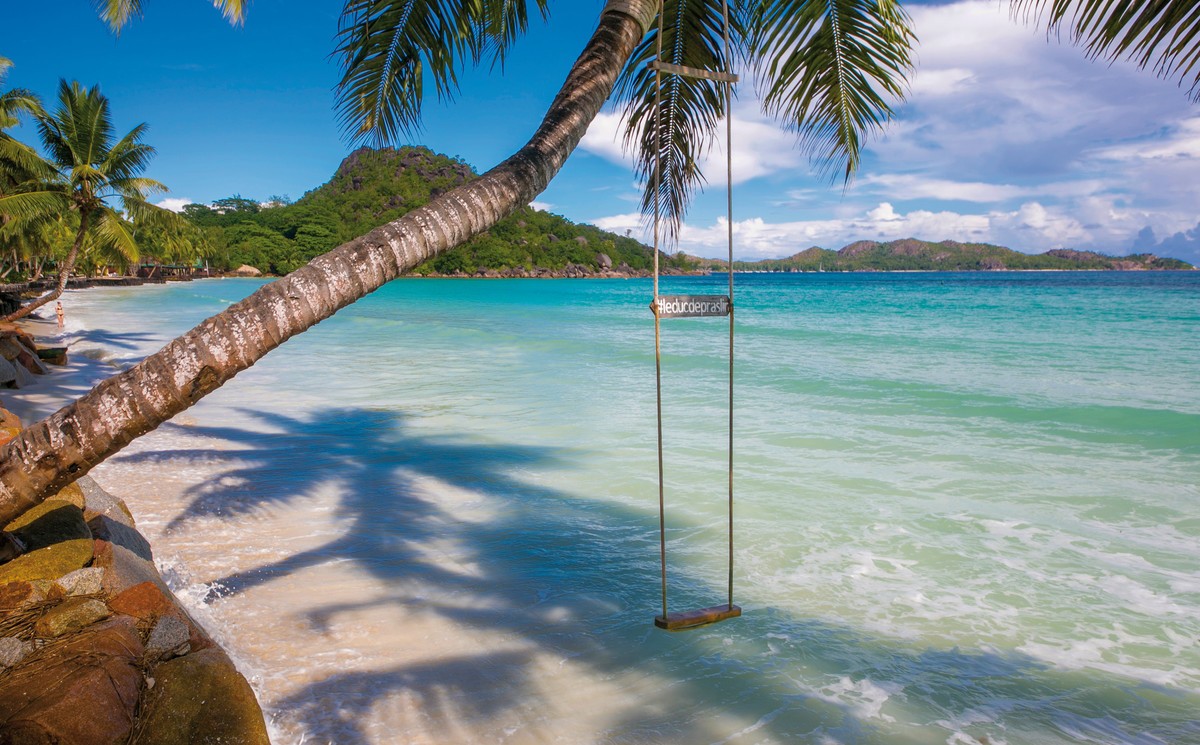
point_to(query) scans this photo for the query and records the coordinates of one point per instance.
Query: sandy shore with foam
(415, 645)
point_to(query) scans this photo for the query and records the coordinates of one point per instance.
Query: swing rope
(708, 615)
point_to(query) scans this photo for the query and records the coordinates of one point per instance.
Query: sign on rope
(691, 306)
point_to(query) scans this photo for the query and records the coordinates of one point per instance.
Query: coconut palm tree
(92, 171)
(13, 104)
(827, 66)
(20, 165)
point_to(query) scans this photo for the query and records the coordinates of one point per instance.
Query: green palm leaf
(138, 187)
(32, 205)
(503, 24)
(142, 213)
(128, 157)
(15, 102)
(828, 69)
(109, 231)
(1159, 34)
(672, 130)
(80, 131)
(117, 13)
(392, 49)
(19, 164)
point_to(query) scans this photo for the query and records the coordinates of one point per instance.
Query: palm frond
(32, 205)
(134, 187)
(672, 130)
(15, 102)
(233, 10)
(503, 24)
(110, 231)
(118, 13)
(20, 163)
(829, 68)
(80, 130)
(1157, 34)
(144, 214)
(128, 157)
(391, 50)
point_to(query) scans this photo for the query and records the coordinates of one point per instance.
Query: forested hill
(372, 187)
(913, 255)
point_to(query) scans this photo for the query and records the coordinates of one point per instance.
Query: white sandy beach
(338, 652)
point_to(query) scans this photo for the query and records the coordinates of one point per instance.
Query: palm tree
(827, 67)
(20, 165)
(13, 104)
(30, 244)
(92, 170)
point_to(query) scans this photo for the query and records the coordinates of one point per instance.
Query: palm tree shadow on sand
(559, 577)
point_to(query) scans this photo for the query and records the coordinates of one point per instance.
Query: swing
(691, 306)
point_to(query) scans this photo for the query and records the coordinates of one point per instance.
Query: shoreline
(407, 535)
(13, 291)
(116, 612)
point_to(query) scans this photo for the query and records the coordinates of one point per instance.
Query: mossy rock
(73, 614)
(57, 542)
(200, 699)
(73, 494)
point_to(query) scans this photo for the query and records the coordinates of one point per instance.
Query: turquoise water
(967, 508)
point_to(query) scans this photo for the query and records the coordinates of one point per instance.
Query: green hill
(372, 187)
(911, 254)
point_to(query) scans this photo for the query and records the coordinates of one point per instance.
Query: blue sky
(1006, 137)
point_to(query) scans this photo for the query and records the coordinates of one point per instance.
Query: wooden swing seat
(690, 619)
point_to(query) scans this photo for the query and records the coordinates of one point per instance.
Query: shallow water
(967, 509)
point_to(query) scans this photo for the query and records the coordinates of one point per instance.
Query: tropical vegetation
(90, 184)
(827, 68)
(381, 185)
(22, 245)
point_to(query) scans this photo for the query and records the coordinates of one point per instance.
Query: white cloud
(1031, 227)
(935, 82)
(543, 206)
(760, 148)
(884, 213)
(1182, 141)
(174, 204)
(630, 223)
(909, 186)
(1002, 117)
(906, 186)
(992, 96)
(1006, 137)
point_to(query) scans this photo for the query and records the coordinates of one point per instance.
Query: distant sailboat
(820, 266)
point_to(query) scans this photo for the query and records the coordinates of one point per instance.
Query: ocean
(967, 508)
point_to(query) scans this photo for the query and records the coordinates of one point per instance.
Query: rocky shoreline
(94, 647)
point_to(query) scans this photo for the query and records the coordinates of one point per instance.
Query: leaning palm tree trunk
(52, 453)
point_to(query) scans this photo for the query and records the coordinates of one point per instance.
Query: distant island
(910, 254)
(373, 186)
